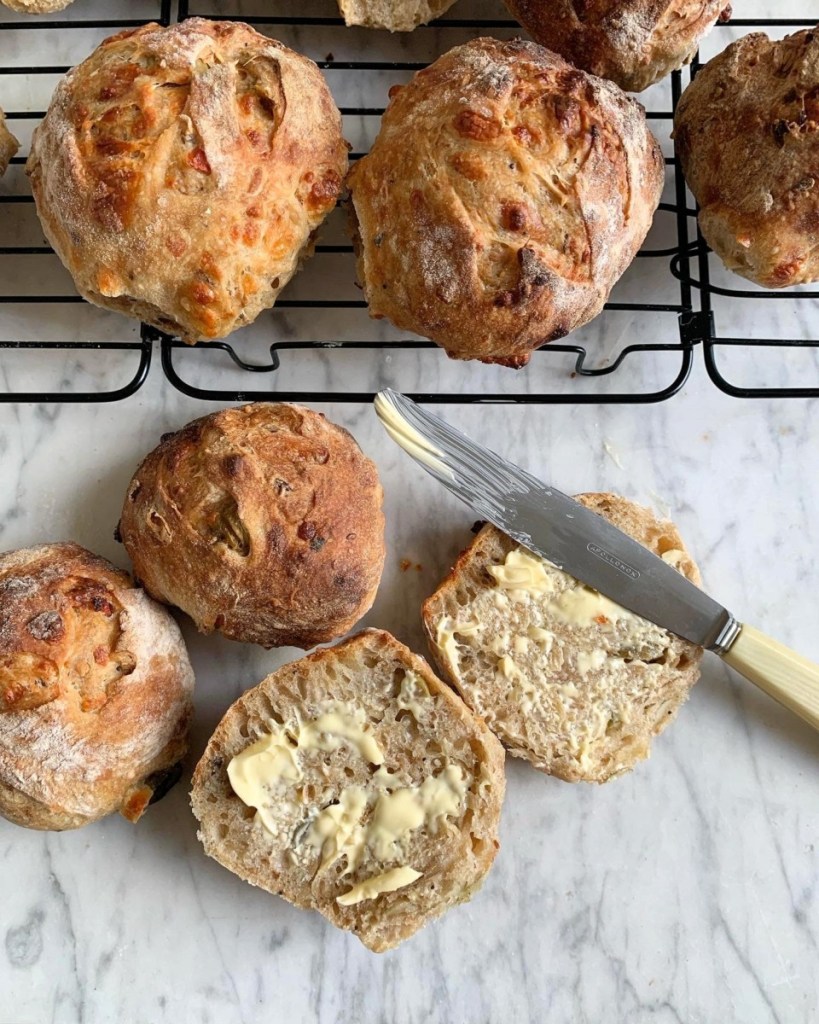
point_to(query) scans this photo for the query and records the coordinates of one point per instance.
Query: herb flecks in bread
(567, 678)
(355, 783)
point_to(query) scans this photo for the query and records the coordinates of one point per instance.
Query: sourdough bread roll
(9, 145)
(505, 195)
(95, 691)
(566, 678)
(747, 136)
(395, 15)
(180, 173)
(263, 523)
(353, 782)
(36, 6)
(633, 43)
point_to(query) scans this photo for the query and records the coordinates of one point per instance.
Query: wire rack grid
(636, 351)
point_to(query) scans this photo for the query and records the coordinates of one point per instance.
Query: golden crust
(263, 523)
(8, 145)
(36, 6)
(180, 173)
(504, 196)
(95, 690)
(747, 134)
(633, 43)
(395, 15)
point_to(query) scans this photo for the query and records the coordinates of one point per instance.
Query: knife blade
(595, 552)
(556, 527)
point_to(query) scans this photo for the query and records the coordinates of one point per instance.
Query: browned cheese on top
(180, 172)
(505, 195)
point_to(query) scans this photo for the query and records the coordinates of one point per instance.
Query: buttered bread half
(355, 783)
(565, 677)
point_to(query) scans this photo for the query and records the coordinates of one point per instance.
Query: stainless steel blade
(555, 526)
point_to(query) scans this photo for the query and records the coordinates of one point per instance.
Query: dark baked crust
(631, 42)
(263, 523)
(504, 196)
(180, 172)
(747, 134)
(95, 688)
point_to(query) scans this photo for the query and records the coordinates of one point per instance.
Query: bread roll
(634, 43)
(36, 6)
(504, 196)
(747, 136)
(95, 691)
(263, 523)
(8, 145)
(353, 782)
(566, 678)
(180, 173)
(395, 15)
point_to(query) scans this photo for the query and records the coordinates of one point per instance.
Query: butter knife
(595, 552)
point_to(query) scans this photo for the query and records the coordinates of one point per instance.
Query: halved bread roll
(566, 678)
(353, 782)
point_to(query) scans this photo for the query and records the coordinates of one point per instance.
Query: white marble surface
(684, 892)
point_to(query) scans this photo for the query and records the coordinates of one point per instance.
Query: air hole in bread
(222, 830)
(158, 526)
(213, 798)
(243, 731)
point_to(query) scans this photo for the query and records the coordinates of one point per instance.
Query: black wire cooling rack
(669, 330)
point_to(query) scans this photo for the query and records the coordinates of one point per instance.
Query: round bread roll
(8, 145)
(505, 195)
(95, 690)
(395, 15)
(181, 172)
(263, 523)
(36, 6)
(747, 135)
(634, 43)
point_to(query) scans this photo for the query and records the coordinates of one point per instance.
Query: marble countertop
(683, 892)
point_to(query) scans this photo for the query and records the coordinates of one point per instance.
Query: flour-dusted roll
(353, 782)
(95, 690)
(395, 15)
(747, 135)
(504, 196)
(263, 523)
(9, 145)
(180, 173)
(634, 43)
(36, 6)
(563, 676)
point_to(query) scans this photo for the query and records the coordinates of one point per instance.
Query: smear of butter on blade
(389, 881)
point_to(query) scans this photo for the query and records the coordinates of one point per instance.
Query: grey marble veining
(683, 893)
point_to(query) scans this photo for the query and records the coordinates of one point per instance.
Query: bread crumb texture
(180, 173)
(95, 690)
(353, 782)
(565, 677)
